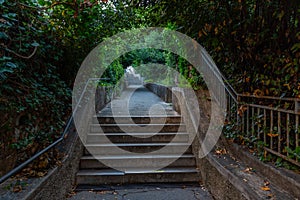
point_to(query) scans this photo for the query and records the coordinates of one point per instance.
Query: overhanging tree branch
(21, 56)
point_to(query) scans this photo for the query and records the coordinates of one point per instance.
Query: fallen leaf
(17, 188)
(32, 173)
(258, 93)
(43, 163)
(221, 151)
(241, 110)
(266, 183)
(101, 192)
(272, 135)
(265, 188)
(248, 170)
(41, 174)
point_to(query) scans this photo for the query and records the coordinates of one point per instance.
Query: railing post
(297, 106)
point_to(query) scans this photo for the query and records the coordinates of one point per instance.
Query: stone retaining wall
(165, 93)
(105, 94)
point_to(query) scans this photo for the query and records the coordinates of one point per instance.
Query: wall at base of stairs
(59, 182)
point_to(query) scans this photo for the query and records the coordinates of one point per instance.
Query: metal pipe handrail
(272, 108)
(61, 138)
(270, 97)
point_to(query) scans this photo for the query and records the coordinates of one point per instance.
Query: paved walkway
(138, 100)
(146, 192)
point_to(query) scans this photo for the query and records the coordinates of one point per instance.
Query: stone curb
(287, 180)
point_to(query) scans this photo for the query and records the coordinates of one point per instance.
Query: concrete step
(137, 128)
(99, 138)
(114, 149)
(136, 175)
(158, 119)
(127, 161)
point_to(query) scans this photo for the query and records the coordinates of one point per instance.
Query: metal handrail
(61, 138)
(21, 166)
(270, 117)
(270, 97)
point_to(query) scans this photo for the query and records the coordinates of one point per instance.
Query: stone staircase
(145, 150)
(134, 79)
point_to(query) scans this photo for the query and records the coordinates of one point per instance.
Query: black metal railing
(270, 123)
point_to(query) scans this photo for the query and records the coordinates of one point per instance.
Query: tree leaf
(3, 35)
(11, 65)
(35, 44)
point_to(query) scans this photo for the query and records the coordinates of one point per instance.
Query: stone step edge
(117, 157)
(113, 172)
(137, 125)
(138, 144)
(137, 116)
(138, 134)
(114, 187)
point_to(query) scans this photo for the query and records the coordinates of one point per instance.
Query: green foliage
(42, 46)
(255, 43)
(34, 101)
(163, 67)
(81, 25)
(113, 73)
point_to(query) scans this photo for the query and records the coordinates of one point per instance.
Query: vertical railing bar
(288, 132)
(279, 131)
(229, 103)
(271, 129)
(258, 124)
(248, 123)
(297, 133)
(252, 123)
(265, 125)
(243, 122)
(238, 119)
(232, 114)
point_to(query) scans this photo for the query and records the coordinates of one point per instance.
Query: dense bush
(34, 100)
(42, 46)
(255, 43)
